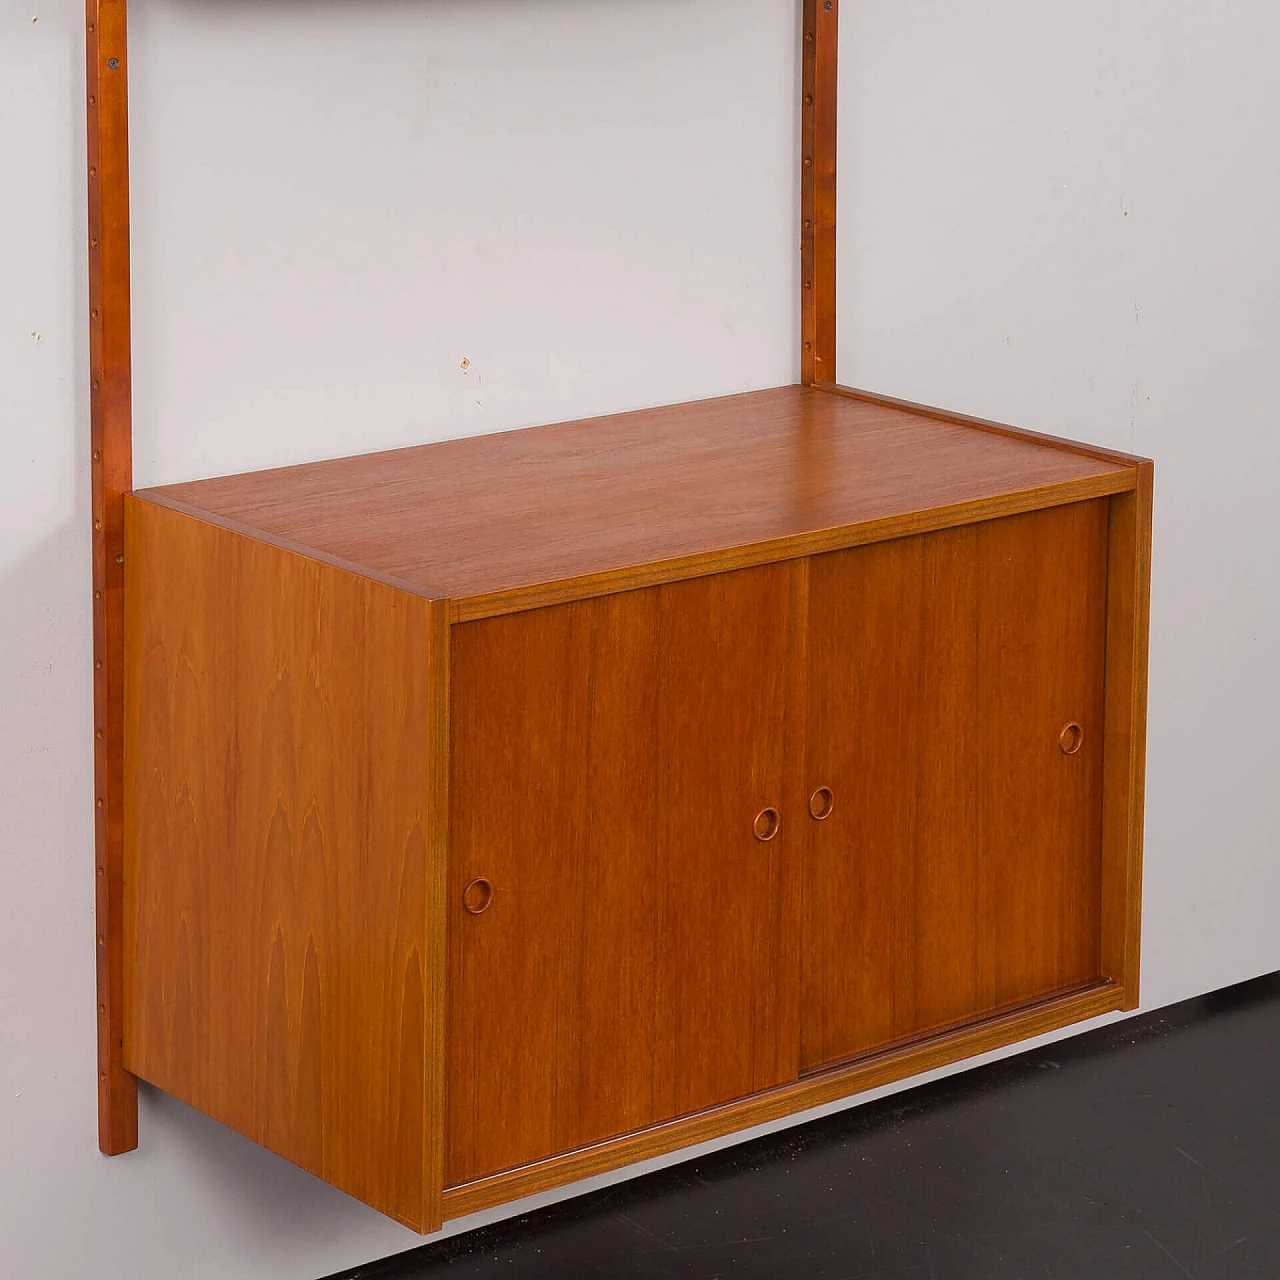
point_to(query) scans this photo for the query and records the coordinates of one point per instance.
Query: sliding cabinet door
(729, 736)
(622, 944)
(954, 756)
(554, 882)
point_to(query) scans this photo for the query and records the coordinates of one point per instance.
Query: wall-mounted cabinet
(505, 810)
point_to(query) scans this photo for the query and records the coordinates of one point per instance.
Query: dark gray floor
(1151, 1149)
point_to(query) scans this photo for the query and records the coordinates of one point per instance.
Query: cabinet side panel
(1128, 608)
(282, 784)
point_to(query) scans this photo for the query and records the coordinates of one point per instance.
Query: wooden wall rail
(818, 192)
(111, 446)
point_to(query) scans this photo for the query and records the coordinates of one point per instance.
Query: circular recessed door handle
(477, 896)
(1071, 739)
(821, 803)
(766, 825)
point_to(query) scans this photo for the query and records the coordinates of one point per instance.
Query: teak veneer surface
(284, 854)
(637, 961)
(507, 512)
(579, 661)
(959, 870)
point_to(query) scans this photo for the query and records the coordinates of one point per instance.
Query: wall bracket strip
(111, 453)
(818, 192)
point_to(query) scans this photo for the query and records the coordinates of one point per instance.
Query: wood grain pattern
(896, 1063)
(552, 998)
(818, 119)
(959, 870)
(709, 995)
(731, 672)
(1128, 628)
(527, 518)
(281, 848)
(111, 476)
(638, 960)
(283, 780)
(874, 686)
(1041, 645)
(943, 921)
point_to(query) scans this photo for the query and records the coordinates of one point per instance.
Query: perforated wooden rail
(111, 452)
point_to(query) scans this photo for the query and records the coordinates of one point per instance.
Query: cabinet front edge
(792, 547)
(830, 1085)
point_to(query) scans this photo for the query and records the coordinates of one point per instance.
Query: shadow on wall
(263, 1195)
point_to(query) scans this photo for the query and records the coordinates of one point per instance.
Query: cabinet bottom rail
(815, 1088)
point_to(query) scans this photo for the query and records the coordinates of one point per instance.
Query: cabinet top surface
(791, 469)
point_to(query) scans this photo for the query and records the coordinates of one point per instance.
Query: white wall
(336, 203)
(1059, 213)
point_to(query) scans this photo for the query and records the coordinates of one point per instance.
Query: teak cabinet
(506, 810)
